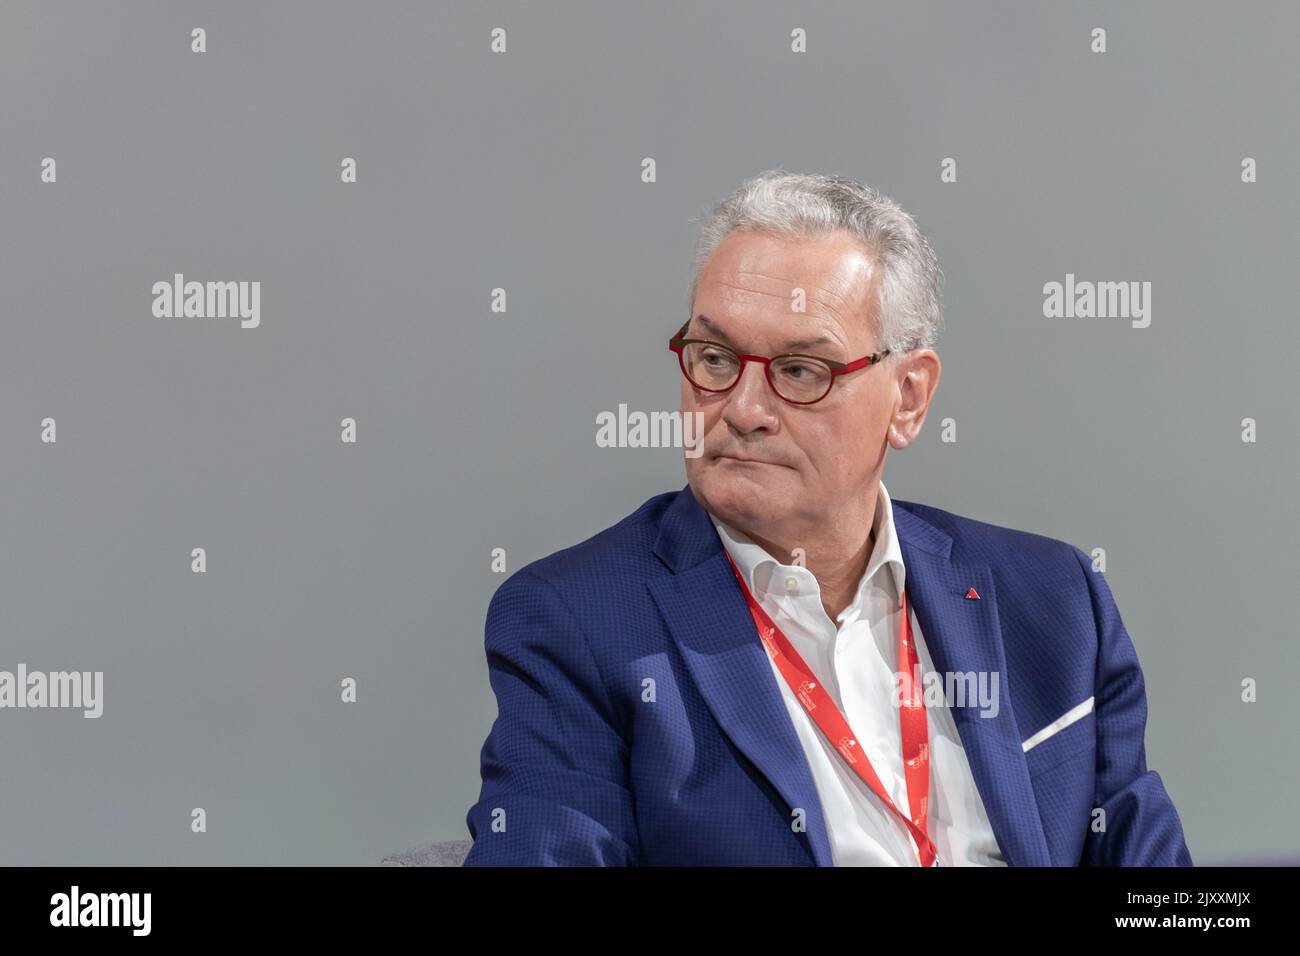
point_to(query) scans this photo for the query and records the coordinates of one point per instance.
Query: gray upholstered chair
(445, 853)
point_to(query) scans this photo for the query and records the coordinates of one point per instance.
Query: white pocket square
(1059, 724)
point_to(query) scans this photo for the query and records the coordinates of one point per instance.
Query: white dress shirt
(856, 663)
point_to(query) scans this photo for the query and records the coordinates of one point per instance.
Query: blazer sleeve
(1142, 828)
(554, 773)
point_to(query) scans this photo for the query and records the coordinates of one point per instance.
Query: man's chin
(744, 495)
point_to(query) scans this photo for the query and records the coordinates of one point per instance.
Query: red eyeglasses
(796, 378)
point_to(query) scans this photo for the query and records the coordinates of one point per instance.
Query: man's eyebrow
(809, 343)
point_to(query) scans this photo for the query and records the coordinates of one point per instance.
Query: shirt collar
(759, 567)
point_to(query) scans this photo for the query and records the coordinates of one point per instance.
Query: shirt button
(792, 584)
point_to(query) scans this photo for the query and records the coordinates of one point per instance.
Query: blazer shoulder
(997, 545)
(624, 548)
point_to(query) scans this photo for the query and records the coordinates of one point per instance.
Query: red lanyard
(809, 692)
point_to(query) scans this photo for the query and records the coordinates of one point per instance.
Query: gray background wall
(476, 430)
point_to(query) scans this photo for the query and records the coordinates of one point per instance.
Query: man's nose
(750, 402)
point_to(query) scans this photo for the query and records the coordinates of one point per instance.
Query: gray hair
(794, 205)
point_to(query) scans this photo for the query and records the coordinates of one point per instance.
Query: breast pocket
(1078, 741)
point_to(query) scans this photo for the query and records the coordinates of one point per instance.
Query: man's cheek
(688, 403)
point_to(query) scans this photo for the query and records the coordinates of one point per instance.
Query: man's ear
(918, 375)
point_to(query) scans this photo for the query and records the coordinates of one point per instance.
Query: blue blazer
(639, 721)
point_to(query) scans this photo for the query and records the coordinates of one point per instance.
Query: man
(740, 673)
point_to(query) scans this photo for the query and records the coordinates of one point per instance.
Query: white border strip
(1059, 724)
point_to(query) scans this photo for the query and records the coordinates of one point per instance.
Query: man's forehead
(840, 298)
(719, 331)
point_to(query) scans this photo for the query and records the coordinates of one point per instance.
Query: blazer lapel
(963, 635)
(708, 618)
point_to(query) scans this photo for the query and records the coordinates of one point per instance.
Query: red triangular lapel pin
(972, 593)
